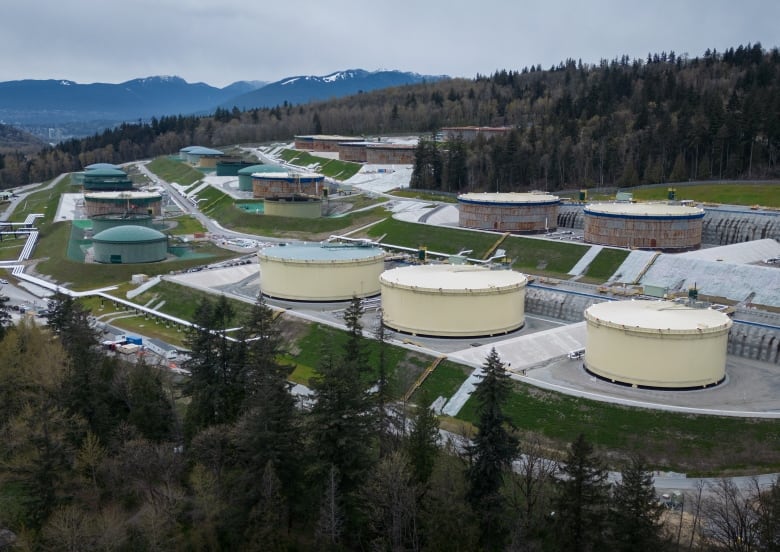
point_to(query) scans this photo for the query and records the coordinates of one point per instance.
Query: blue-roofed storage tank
(320, 272)
(644, 226)
(129, 244)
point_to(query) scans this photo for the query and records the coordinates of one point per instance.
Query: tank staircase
(427, 372)
(493, 248)
(644, 270)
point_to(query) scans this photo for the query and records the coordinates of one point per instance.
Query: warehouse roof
(130, 233)
(661, 316)
(453, 278)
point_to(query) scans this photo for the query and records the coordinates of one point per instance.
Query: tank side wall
(319, 281)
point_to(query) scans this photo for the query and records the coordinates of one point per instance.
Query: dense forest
(619, 122)
(103, 454)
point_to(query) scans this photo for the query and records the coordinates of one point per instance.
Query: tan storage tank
(526, 213)
(644, 225)
(320, 272)
(106, 203)
(453, 300)
(656, 344)
(296, 206)
(284, 184)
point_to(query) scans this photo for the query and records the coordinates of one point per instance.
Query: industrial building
(644, 226)
(286, 184)
(470, 133)
(104, 203)
(390, 154)
(321, 272)
(452, 300)
(104, 179)
(104, 222)
(521, 213)
(296, 206)
(321, 142)
(656, 344)
(129, 244)
(245, 174)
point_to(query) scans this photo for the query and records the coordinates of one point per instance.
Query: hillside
(619, 123)
(13, 139)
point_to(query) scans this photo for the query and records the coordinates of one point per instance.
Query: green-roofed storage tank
(130, 244)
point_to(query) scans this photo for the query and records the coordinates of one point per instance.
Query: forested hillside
(621, 122)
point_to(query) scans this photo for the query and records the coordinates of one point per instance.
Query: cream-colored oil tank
(320, 272)
(293, 206)
(644, 225)
(521, 213)
(453, 300)
(656, 344)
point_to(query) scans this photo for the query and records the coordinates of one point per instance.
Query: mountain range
(57, 109)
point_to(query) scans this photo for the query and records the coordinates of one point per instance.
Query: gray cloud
(221, 42)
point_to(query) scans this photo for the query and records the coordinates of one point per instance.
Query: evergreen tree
(582, 500)
(268, 433)
(635, 511)
(5, 318)
(768, 519)
(149, 404)
(493, 450)
(422, 444)
(217, 384)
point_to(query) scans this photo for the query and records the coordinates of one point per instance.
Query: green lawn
(175, 171)
(527, 254)
(186, 224)
(766, 195)
(425, 195)
(442, 382)
(340, 170)
(605, 264)
(692, 444)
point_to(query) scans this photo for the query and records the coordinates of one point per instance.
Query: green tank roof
(261, 169)
(106, 172)
(130, 233)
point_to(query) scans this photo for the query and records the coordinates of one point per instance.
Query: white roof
(661, 316)
(122, 195)
(644, 209)
(509, 197)
(447, 277)
(738, 253)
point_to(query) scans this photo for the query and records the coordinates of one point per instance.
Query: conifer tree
(582, 501)
(493, 450)
(635, 511)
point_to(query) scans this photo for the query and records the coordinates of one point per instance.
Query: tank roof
(319, 253)
(509, 198)
(662, 210)
(261, 168)
(288, 176)
(453, 278)
(657, 316)
(105, 171)
(122, 195)
(97, 166)
(128, 234)
(200, 150)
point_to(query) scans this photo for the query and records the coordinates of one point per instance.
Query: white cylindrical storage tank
(644, 225)
(521, 213)
(453, 300)
(656, 344)
(320, 272)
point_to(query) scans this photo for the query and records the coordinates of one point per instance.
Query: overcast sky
(223, 41)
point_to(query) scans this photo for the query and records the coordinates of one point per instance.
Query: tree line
(619, 122)
(100, 454)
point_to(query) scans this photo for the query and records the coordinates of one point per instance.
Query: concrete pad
(216, 277)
